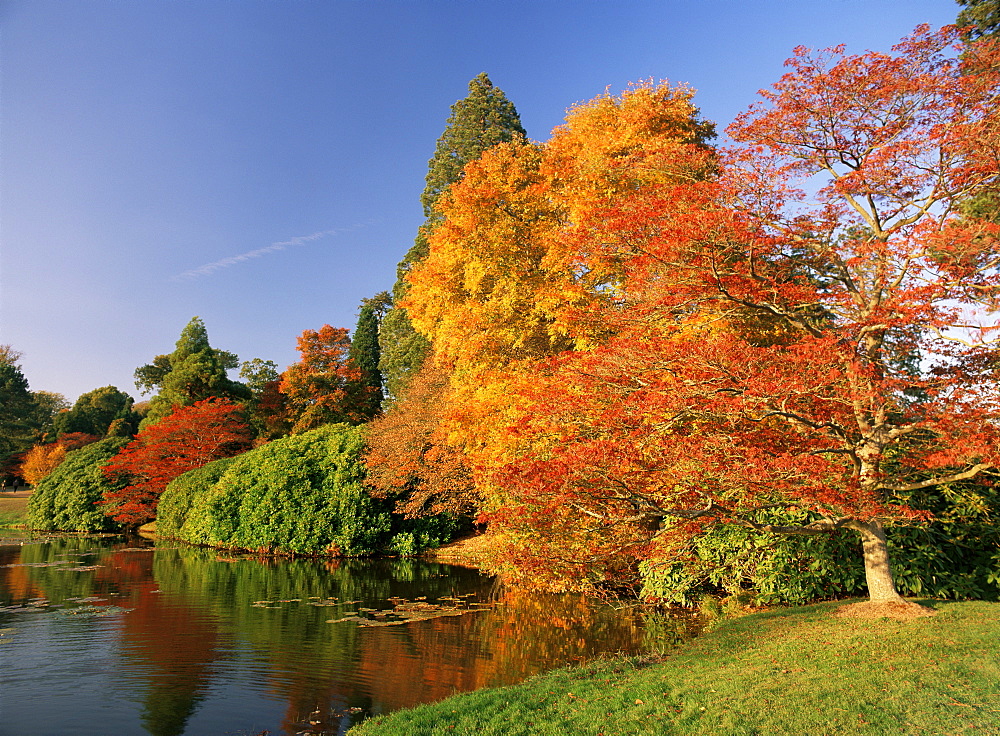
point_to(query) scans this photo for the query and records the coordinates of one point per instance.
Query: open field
(792, 671)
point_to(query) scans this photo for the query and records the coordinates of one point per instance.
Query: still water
(112, 637)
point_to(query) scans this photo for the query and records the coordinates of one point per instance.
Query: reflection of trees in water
(172, 639)
(318, 665)
(16, 585)
(529, 632)
(172, 646)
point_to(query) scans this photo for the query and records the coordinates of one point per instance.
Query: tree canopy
(481, 120)
(95, 411)
(188, 438)
(738, 351)
(324, 386)
(192, 372)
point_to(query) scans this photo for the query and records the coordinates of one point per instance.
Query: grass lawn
(797, 671)
(12, 511)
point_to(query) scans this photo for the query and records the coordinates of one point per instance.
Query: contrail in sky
(210, 268)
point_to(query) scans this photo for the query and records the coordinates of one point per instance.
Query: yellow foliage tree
(518, 269)
(41, 460)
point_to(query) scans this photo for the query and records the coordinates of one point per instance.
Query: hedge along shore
(800, 671)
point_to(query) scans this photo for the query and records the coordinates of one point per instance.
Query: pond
(103, 635)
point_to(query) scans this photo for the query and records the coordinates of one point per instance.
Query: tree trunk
(878, 573)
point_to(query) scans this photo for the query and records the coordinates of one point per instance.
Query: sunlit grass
(794, 671)
(13, 511)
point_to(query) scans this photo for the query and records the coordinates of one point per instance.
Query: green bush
(302, 494)
(70, 497)
(412, 536)
(957, 556)
(184, 492)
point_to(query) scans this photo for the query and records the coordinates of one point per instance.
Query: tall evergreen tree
(18, 426)
(980, 17)
(194, 371)
(365, 353)
(479, 121)
(981, 20)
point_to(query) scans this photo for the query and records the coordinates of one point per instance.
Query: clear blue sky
(258, 163)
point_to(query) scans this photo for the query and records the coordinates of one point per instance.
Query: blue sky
(259, 163)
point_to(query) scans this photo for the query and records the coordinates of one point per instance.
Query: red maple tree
(188, 438)
(775, 351)
(324, 386)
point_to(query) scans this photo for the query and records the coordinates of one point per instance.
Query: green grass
(791, 671)
(13, 511)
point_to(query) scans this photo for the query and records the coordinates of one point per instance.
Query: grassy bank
(794, 671)
(13, 511)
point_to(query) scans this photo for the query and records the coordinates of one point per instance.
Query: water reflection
(193, 642)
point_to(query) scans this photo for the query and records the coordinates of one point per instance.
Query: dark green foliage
(95, 412)
(982, 17)
(48, 407)
(183, 493)
(983, 206)
(413, 536)
(301, 494)
(403, 351)
(18, 412)
(194, 371)
(955, 556)
(69, 497)
(365, 354)
(479, 121)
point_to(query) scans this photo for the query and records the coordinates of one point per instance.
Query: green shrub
(70, 497)
(302, 494)
(772, 568)
(957, 556)
(412, 536)
(185, 492)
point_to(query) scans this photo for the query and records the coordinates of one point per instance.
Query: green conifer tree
(981, 20)
(194, 371)
(365, 353)
(18, 426)
(479, 121)
(980, 17)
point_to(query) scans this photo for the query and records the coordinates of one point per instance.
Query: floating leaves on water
(76, 606)
(95, 611)
(403, 612)
(22, 609)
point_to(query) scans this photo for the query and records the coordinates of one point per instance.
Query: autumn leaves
(643, 334)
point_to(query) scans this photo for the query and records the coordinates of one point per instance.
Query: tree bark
(878, 572)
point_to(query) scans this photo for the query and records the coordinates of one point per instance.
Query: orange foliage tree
(742, 352)
(188, 438)
(506, 283)
(324, 386)
(41, 460)
(781, 354)
(409, 459)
